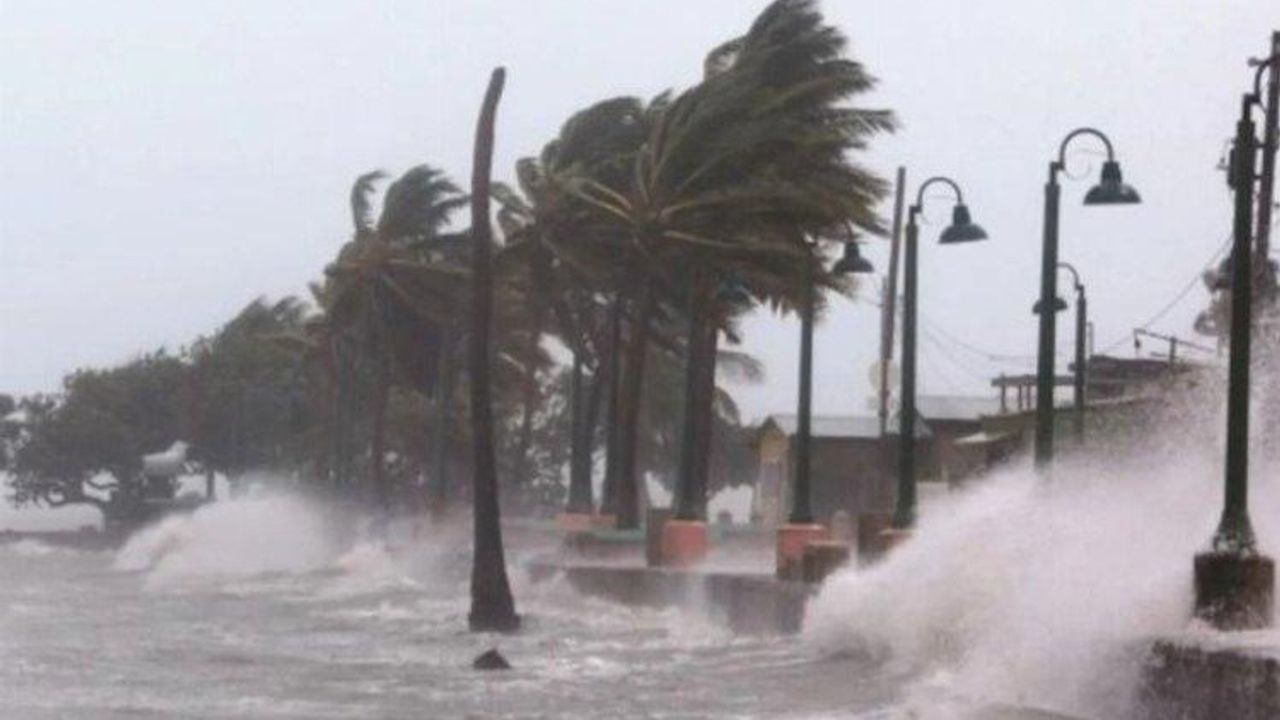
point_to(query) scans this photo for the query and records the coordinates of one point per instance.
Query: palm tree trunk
(492, 607)
(613, 426)
(637, 350)
(443, 424)
(520, 475)
(690, 497)
(580, 500)
(378, 440)
(612, 420)
(705, 398)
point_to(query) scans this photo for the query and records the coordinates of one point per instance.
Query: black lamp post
(1234, 583)
(962, 229)
(802, 496)
(1082, 322)
(1110, 190)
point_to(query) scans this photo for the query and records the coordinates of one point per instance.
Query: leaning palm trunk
(705, 408)
(637, 351)
(613, 425)
(580, 500)
(690, 499)
(492, 607)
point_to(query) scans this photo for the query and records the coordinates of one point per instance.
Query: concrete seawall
(1221, 677)
(749, 604)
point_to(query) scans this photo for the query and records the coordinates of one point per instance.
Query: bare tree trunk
(492, 607)
(637, 351)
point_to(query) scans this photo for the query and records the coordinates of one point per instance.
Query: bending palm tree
(492, 607)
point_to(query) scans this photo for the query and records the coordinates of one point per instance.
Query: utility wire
(1181, 294)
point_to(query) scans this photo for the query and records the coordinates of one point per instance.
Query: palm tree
(577, 265)
(586, 263)
(492, 607)
(385, 298)
(735, 174)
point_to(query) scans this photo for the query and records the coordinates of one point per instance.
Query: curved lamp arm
(1074, 275)
(1257, 74)
(936, 179)
(1062, 149)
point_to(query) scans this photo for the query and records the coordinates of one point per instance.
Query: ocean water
(255, 609)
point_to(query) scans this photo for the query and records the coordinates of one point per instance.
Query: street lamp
(1110, 190)
(1234, 582)
(802, 499)
(962, 229)
(800, 527)
(1082, 321)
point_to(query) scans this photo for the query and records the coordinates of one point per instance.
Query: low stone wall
(748, 604)
(1211, 680)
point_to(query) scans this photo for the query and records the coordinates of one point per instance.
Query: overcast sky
(163, 163)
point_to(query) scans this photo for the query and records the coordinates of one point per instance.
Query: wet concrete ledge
(749, 604)
(1214, 677)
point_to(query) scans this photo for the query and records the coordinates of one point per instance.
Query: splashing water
(1041, 591)
(234, 539)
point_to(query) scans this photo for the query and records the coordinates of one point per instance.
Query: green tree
(252, 400)
(85, 446)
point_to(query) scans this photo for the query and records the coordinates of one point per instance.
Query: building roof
(839, 426)
(956, 407)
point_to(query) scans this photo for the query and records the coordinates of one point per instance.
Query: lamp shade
(1058, 306)
(1111, 190)
(852, 262)
(962, 228)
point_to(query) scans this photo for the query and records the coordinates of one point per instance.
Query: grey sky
(161, 163)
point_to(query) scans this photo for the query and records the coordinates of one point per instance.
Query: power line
(1186, 289)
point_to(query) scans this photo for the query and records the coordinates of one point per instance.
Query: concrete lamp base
(684, 543)
(791, 542)
(822, 558)
(892, 537)
(1235, 591)
(870, 525)
(572, 522)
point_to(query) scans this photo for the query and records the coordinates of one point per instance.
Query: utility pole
(1270, 133)
(888, 306)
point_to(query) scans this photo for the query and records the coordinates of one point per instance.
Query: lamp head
(852, 262)
(962, 227)
(1058, 306)
(1111, 189)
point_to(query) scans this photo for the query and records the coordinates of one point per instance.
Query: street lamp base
(791, 541)
(576, 522)
(1235, 591)
(892, 537)
(870, 525)
(684, 543)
